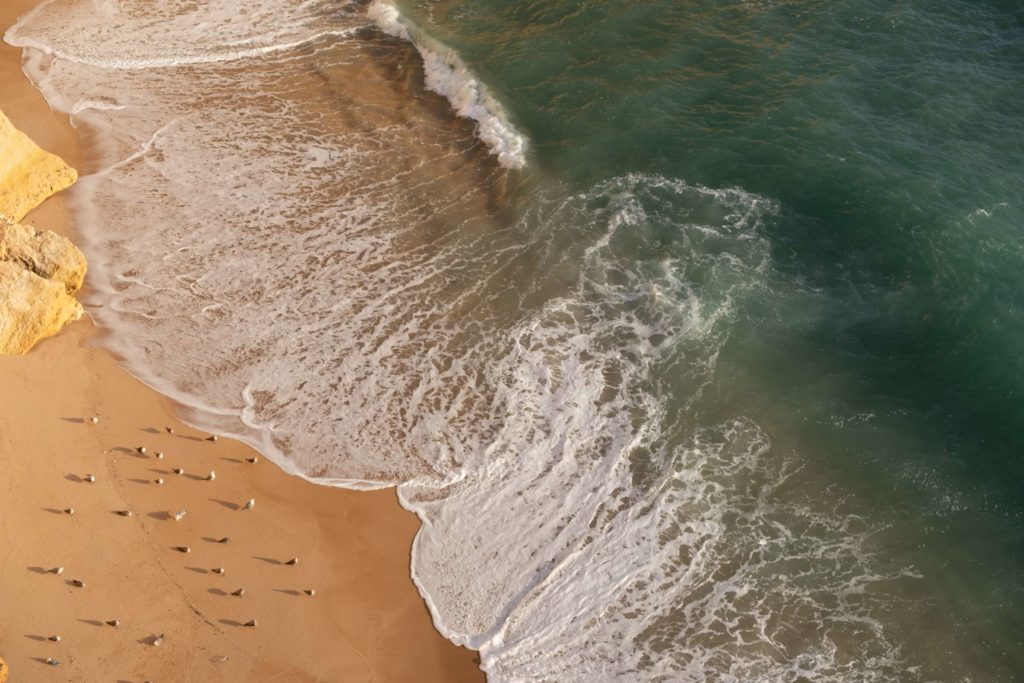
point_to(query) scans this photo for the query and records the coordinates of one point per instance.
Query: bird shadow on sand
(190, 438)
(39, 570)
(40, 639)
(196, 477)
(234, 460)
(73, 477)
(129, 451)
(53, 510)
(161, 515)
(92, 622)
(157, 470)
(268, 560)
(140, 481)
(198, 570)
(150, 430)
(216, 591)
(41, 660)
(230, 622)
(287, 591)
(226, 503)
(76, 420)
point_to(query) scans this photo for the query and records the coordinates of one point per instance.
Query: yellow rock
(28, 174)
(39, 269)
(4, 670)
(31, 308)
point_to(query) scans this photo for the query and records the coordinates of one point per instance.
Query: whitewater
(316, 228)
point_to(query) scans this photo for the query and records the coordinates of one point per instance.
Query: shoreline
(366, 622)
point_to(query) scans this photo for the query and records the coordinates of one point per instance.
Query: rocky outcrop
(3, 671)
(39, 269)
(28, 174)
(39, 272)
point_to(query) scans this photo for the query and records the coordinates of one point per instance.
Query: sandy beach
(366, 621)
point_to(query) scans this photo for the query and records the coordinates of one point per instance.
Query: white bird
(310, 592)
(124, 513)
(141, 449)
(94, 419)
(90, 478)
(183, 548)
(56, 570)
(253, 460)
(178, 516)
(251, 623)
(177, 470)
(292, 562)
(69, 511)
(159, 455)
(211, 476)
(218, 570)
(77, 583)
(54, 639)
(114, 622)
(170, 430)
(226, 539)
(249, 504)
(238, 593)
(159, 639)
(52, 662)
(212, 438)
(158, 480)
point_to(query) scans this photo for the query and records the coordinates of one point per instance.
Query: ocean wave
(448, 76)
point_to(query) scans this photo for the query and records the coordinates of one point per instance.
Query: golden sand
(176, 619)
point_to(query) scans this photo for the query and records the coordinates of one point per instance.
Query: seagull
(211, 476)
(156, 641)
(77, 583)
(69, 511)
(178, 516)
(249, 504)
(310, 592)
(183, 548)
(54, 639)
(90, 478)
(52, 662)
(251, 623)
(114, 622)
(141, 449)
(292, 562)
(56, 570)
(159, 455)
(177, 470)
(212, 438)
(238, 593)
(253, 460)
(218, 570)
(124, 513)
(226, 539)
(170, 430)
(158, 480)
(94, 419)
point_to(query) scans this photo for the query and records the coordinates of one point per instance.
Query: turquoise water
(690, 330)
(885, 346)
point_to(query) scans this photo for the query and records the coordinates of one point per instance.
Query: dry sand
(366, 621)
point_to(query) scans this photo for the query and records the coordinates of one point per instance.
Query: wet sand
(366, 622)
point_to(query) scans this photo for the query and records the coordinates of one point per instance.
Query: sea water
(690, 330)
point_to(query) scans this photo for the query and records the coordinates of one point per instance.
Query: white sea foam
(448, 76)
(331, 285)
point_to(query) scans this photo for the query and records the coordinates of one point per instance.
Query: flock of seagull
(156, 641)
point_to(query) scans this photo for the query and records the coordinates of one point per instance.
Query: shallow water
(688, 329)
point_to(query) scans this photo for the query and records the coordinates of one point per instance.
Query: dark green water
(886, 346)
(721, 381)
